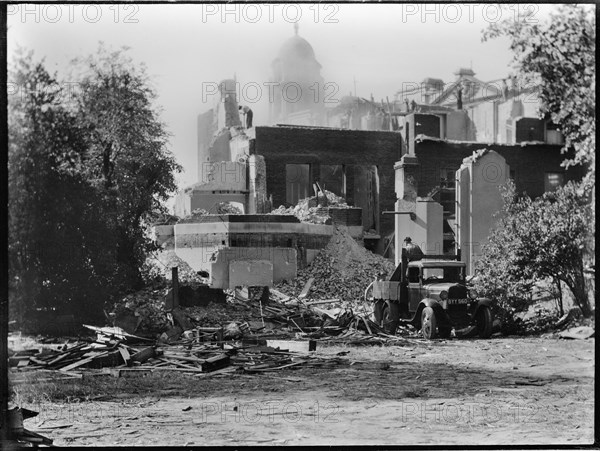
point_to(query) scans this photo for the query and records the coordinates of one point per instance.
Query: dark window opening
(297, 182)
(332, 179)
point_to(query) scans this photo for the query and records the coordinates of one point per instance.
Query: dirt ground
(467, 392)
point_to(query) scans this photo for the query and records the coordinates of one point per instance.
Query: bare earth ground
(469, 392)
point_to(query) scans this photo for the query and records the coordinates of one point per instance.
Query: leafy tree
(87, 170)
(127, 157)
(536, 240)
(57, 253)
(559, 56)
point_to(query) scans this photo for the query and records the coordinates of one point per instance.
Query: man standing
(413, 251)
(248, 113)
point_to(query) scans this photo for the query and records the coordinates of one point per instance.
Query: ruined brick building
(426, 157)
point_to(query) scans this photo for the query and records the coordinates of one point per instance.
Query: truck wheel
(391, 317)
(428, 323)
(484, 321)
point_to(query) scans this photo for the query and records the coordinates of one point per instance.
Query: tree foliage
(546, 238)
(559, 56)
(126, 151)
(86, 170)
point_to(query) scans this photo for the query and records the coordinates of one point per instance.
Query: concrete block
(250, 273)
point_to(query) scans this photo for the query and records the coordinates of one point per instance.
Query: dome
(296, 47)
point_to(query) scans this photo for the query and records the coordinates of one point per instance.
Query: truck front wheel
(428, 323)
(484, 321)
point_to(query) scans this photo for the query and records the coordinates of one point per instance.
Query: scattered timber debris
(296, 328)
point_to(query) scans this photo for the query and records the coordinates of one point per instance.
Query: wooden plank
(185, 358)
(216, 363)
(293, 345)
(367, 324)
(279, 295)
(180, 319)
(125, 354)
(230, 369)
(185, 370)
(175, 362)
(38, 361)
(261, 370)
(143, 355)
(324, 301)
(306, 288)
(77, 364)
(111, 359)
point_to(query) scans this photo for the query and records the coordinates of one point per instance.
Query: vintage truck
(432, 295)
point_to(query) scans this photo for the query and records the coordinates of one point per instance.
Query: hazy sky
(186, 47)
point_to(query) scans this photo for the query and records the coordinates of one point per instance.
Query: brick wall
(316, 146)
(528, 164)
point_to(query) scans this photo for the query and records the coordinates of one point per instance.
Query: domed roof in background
(296, 48)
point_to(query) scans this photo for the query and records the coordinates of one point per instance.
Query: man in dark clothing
(413, 251)
(248, 113)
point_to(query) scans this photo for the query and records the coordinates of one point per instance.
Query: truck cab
(432, 295)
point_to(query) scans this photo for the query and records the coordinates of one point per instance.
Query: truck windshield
(443, 274)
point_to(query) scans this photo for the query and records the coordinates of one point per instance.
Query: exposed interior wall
(206, 128)
(239, 145)
(528, 129)
(482, 123)
(257, 185)
(281, 146)
(529, 164)
(219, 150)
(421, 124)
(457, 125)
(226, 108)
(183, 204)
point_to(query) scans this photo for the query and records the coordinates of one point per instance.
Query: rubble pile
(220, 208)
(342, 270)
(167, 259)
(310, 208)
(142, 312)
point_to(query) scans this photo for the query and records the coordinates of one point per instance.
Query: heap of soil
(342, 270)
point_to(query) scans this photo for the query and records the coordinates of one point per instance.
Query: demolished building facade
(431, 171)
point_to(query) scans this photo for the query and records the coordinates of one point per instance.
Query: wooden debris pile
(119, 354)
(236, 346)
(107, 350)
